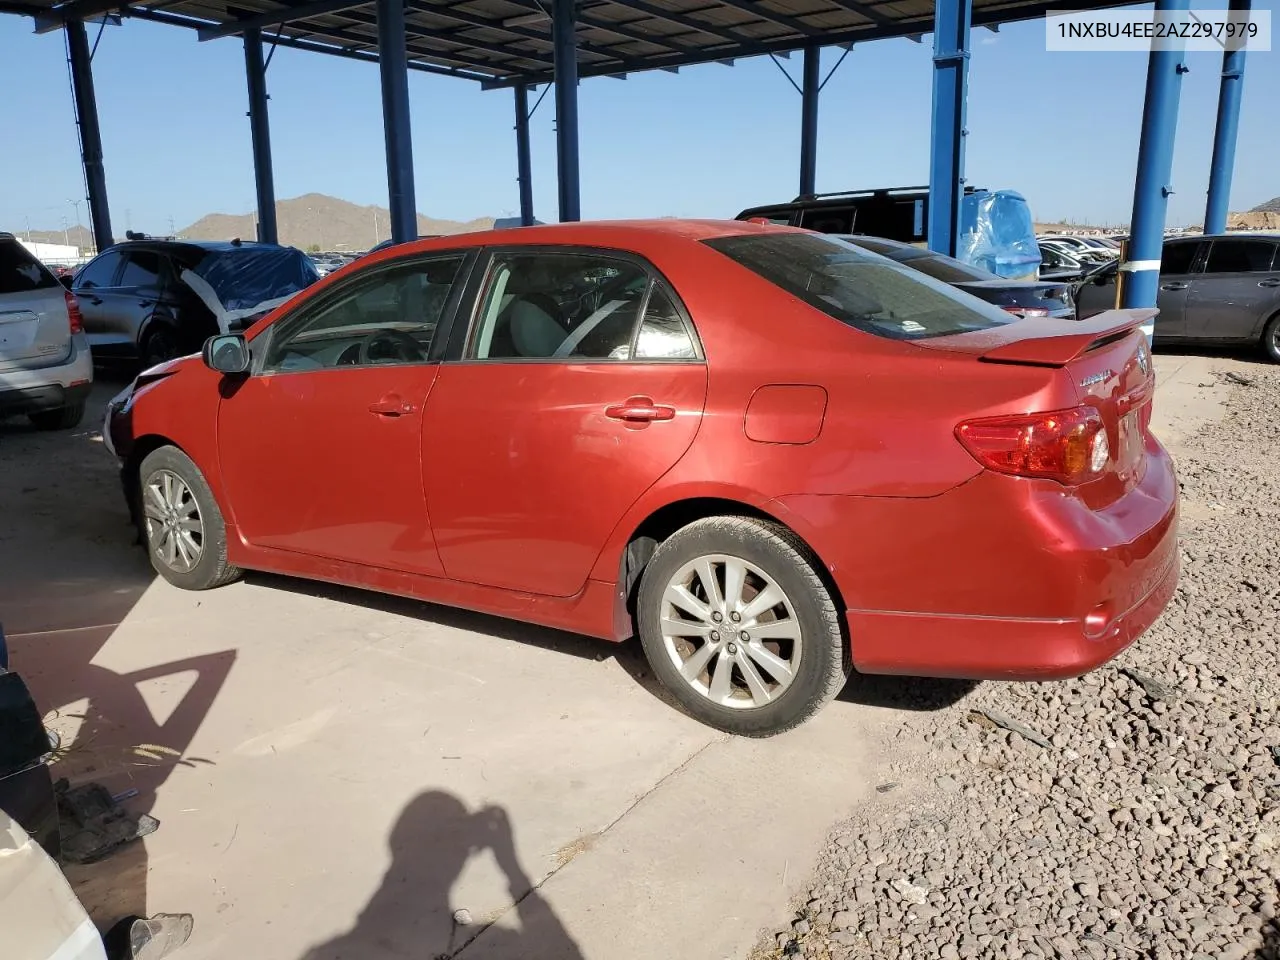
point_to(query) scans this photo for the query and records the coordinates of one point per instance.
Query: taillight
(1026, 311)
(73, 312)
(1069, 446)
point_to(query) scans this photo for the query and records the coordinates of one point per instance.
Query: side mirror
(227, 354)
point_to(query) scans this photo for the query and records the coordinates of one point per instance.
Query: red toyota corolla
(773, 456)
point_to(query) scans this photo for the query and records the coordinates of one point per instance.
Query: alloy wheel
(731, 631)
(175, 530)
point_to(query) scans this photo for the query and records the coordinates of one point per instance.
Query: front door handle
(639, 410)
(392, 405)
(1176, 285)
(96, 301)
(1269, 282)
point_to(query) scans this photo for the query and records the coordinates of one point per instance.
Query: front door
(321, 447)
(581, 384)
(1236, 291)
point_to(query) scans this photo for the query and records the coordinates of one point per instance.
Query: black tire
(159, 344)
(1271, 339)
(210, 568)
(64, 418)
(771, 548)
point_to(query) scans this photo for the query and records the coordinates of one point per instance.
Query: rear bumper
(999, 578)
(996, 648)
(48, 388)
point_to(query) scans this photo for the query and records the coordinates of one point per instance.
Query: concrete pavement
(336, 773)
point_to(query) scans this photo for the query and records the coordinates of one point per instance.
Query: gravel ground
(1137, 814)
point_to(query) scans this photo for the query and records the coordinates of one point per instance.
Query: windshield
(859, 288)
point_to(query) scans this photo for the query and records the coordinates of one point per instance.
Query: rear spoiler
(1086, 335)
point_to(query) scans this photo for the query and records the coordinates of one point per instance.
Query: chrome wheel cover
(731, 631)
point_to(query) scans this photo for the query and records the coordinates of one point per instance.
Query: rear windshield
(944, 268)
(20, 272)
(859, 288)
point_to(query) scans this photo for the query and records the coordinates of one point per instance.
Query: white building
(52, 253)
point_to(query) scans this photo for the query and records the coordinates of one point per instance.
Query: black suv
(154, 299)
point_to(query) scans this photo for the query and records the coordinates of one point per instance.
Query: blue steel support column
(952, 19)
(564, 14)
(393, 64)
(812, 82)
(90, 136)
(260, 134)
(1152, 185)
(1224, 136)
(524, 174)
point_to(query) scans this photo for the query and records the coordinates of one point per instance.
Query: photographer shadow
(411, 915)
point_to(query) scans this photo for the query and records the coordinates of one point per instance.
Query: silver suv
(45, 367)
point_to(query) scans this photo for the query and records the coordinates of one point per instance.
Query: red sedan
(773, 456)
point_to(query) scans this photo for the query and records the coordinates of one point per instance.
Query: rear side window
(20, 272)
(1240, 256)
(865, 291)
(141, 269)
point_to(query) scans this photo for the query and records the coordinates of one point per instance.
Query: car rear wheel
(64, 418)
(1271, 339)
(160, 344)
(739, 627)
(182, 525)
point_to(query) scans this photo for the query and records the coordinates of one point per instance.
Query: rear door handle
(639, 410)
(1270, 282)
(392, 405)
(1176, 285)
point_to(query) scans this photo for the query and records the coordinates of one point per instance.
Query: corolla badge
(1144, 358)
(1100, 377)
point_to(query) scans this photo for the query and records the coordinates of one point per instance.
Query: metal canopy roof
(504, 42)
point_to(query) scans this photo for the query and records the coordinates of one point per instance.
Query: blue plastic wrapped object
(996, 234)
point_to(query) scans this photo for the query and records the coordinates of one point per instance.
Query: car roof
(184, 246)
(621, 234)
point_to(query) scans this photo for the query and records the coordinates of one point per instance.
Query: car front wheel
(739, 627)
(182, 525)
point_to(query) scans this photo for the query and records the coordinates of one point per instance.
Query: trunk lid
(1103, 362)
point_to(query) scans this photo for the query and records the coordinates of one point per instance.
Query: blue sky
(709, 141)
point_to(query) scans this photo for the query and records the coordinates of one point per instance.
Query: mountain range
(313, 220)
(318, 221)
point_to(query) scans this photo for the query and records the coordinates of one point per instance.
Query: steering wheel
(404, 349)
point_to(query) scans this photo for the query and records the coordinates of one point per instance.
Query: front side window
(552, 305)
(387, 318)
(100, 272)
(1178, 257)
(868, 292)
(1240, 256)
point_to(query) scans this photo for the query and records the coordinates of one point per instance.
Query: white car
(45, 367)
(1084, 246)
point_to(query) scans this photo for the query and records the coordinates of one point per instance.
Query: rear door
(35, 329)
(1237, 291)
(580, 384)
